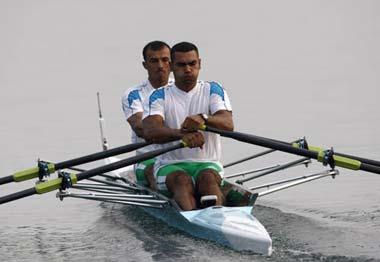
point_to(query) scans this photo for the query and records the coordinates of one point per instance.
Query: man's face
(158, 66)
(185, 67)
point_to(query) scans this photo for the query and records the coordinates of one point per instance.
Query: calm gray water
(292, 69)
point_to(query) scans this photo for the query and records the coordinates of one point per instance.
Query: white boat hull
(235, 227)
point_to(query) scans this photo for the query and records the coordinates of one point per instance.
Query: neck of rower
(185, 87)
(156, 83)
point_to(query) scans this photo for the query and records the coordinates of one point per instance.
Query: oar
(317, 149)
(313, 152)
(55, 184)
(51, 167)
(255, 156)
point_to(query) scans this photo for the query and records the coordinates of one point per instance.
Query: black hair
(155, 46)
(183, 47)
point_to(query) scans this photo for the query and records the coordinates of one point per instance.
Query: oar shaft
(285, 147)
(34, 172)
(100, 155)
(55, 184)
(18, 195)
(361, 159)
(6, 179)
(255, 156)
(264, 142)
(126, 162)
(370, 168)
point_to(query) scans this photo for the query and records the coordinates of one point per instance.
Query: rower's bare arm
(135, 121)
(221, 119)
(156, 132)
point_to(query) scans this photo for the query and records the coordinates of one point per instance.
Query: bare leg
(180, 184)
(208, 183)
(148, 173)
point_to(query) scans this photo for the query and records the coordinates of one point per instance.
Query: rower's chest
(180, 105)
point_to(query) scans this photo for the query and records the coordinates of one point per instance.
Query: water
(291, 68)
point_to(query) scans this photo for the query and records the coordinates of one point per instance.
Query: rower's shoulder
(214, 84)
(214, 87)
(135, 88)
(158, 93)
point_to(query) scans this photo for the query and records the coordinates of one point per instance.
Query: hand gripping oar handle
(55, 184)
(51, 167)
(318, 154)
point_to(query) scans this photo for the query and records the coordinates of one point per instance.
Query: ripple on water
(296, 237)
(123, 233)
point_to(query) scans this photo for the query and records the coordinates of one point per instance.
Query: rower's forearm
(135, 121)
(220, 122)
(163, 135)
(139, 131)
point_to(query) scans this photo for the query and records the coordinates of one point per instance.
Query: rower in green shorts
(156, 56)
(192, 175)
(143, 170)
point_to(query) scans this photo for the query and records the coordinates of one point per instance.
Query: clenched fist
(194, 139)
(192, 123)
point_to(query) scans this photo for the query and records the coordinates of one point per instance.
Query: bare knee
(180, 184)
(179, 181)
(148, 171)
(183, 180)
(208, 183)
(208, 177)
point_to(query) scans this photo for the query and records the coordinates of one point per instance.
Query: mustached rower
(156, 56)
(176, 112)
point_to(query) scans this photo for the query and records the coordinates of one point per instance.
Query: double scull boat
(233, 224)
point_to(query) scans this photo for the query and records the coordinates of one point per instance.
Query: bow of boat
(237, 227)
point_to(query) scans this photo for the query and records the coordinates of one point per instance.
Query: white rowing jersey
(174, 105)
(133, 102)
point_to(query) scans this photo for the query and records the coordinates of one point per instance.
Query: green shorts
(191, 168)
(140, 169)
